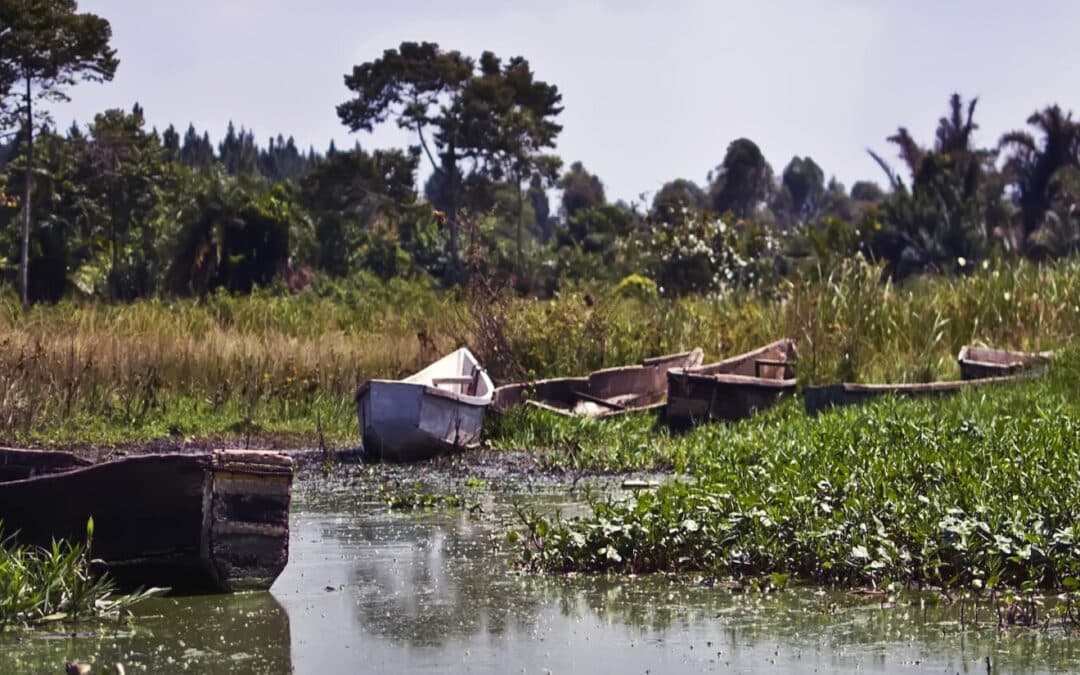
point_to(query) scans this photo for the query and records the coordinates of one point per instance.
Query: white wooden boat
(438, 409)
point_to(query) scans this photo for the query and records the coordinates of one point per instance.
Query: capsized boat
(602, 393)
(439, 409)
(978, 362)
(209, 522)
(731, 389)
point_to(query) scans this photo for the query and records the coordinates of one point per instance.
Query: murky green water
(371, 591)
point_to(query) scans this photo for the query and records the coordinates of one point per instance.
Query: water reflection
(243, 633)
(367, 590)
(429, 592)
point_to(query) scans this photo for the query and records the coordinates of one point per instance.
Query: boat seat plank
(456, 379)
(601, 401)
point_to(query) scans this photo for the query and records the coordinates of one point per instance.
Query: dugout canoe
(817, 399)
(978, 362)
(210, 522)
(731, 389)
(436, 410)
(602, 393)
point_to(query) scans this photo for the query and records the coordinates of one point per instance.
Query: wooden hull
(196, 523)
(817, 399)
(404, 422)
(983, 362)
(603, 393)
(732, 389)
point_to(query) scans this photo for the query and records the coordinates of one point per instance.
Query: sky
(652, 91)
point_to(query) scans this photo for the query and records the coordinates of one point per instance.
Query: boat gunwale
(650, 362)
(208, 461)
(1020, 359)
(704, 370)
(921, 387)
(732, 378)
(430, 390)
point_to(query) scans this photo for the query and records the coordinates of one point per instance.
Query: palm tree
(1033, 164)
(943, 216)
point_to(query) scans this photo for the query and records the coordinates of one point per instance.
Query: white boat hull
(424, 415)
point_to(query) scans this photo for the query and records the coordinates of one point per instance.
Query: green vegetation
(975, 491)
(281, 365)
(44, 585)
(414, 501)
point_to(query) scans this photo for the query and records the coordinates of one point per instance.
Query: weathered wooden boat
(731, 389)
(977, 362)
(438, 409)
(210, 522)
(817, 399)
(602, 393)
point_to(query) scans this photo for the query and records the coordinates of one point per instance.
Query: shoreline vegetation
(283, 368)
(41, 586)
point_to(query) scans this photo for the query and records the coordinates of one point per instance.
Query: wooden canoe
(978, 362)
(817, 399)
(731, 389)
(602, 393)
(211, 522)
(438, 409)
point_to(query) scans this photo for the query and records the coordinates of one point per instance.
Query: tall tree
(483, 117)
(676, 199)
(47, 45)
(1033, 164)
(945, 218)
(743, 181)
(804, 182)
(581, 190)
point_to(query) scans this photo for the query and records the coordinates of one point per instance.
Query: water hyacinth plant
(976, 491)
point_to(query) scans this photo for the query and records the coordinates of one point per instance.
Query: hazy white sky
(652, 91)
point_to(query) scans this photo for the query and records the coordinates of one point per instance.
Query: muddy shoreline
(318, 464)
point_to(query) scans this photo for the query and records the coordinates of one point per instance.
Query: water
(367, 590)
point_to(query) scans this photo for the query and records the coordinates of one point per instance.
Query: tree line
(117, 210)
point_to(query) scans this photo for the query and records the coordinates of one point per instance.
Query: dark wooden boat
(603, 393)
(211, 522)
(733, 388)
(978, 362)
(848, 393)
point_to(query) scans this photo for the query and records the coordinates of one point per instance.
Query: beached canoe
(602, 393)
(439, 409)
(978, 362)
(817, 399)
(210, 522)
(731, 389)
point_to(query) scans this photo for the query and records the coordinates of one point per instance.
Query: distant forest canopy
(120, 211)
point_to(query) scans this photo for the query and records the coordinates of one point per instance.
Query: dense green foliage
(975, 491)
(124, 212)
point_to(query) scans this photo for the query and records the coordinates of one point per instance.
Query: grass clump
(45, 585)
(976, 491)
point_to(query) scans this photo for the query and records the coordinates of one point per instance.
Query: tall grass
(271, 363)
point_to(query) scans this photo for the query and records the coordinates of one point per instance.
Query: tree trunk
(24, 268)
(452, 217)
(520, 215)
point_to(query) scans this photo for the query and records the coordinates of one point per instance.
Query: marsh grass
(279, 364)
